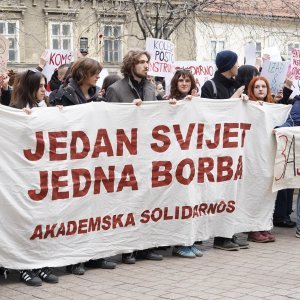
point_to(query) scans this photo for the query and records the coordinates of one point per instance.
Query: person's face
(141, 68)
(40, 94)
(61, 74)
(160, 89)
(92, 80)
(234, 69)
(184, 85)
(260, 90)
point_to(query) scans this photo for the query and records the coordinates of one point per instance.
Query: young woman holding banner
(80, 88)
(183, 86)
(259, 90)
(28, 92)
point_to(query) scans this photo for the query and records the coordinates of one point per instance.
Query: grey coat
(124, 91)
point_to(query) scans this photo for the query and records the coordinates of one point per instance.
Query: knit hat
(225, 60)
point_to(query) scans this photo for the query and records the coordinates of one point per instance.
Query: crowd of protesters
(76, 84)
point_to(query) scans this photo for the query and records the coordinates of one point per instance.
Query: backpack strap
(215, 93)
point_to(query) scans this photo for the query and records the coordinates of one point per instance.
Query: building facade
(269, 24)
(107, 28)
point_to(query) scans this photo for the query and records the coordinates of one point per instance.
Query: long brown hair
(131, 59)
(174, 92)
(26, 85)
(84, 68)
(251, 85)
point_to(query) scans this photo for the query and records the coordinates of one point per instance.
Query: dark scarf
(139, 86)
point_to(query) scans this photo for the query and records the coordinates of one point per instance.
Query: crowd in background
(76, 84)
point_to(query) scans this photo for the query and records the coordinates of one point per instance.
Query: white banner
(100, 179)
(287, 162)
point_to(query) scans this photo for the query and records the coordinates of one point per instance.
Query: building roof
(258, 8)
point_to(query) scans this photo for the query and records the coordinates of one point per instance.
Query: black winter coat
(72, 95)
(225, 87)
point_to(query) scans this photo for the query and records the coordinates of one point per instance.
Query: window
(61, 36)
(112, 44)
(9, 30)
(215, 47)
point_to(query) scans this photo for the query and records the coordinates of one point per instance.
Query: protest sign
(55, 58)
(4, 45)
(294, 71)
(99, 179)
(275, 72)
(162, 57)
(287, 162)
(250, 53)
(273, 52)
(202, 71)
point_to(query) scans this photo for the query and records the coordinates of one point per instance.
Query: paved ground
(265, 271)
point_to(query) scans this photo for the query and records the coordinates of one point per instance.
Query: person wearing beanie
(223, 84)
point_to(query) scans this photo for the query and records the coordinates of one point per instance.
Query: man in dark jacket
(134, 88)
(223, 86)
